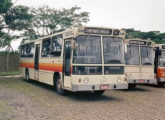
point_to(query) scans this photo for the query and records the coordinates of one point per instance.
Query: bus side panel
(46, 77)
(31, 73)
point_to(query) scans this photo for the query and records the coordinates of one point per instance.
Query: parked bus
(78, 59)
(139, 60)
(160, 64)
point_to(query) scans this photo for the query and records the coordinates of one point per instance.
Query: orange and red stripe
(43, 66)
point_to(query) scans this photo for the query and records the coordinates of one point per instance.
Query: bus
(139, 62)
(160, 64)
(78, 59)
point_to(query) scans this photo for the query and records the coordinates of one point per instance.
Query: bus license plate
(104, 87)
(141, 81)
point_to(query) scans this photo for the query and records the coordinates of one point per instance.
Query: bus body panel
(139, 73)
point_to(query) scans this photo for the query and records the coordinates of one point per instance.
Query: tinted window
(46, 47)
(56, 45)
(88, 50)
(27, 50)
(147, 57)
(113, 70)
(113, 50)
(132, 55)
(84, 70)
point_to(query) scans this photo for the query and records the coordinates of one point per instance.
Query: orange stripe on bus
(160, 72)
(27, 65)
(44, 66)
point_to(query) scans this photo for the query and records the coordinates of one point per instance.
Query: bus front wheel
(59, 88)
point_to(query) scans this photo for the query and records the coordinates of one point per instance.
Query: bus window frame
(62, 46)
(48, 38)
(93, 35)
(27, 56)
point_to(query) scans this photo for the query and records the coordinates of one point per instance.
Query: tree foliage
(155, 36)
(13, 20)
(47, 20)
(5, 5)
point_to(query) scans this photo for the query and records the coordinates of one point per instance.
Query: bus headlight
(103, 79)
(119, 79)
(86, 80)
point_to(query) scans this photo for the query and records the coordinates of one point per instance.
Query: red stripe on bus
(44, 66)
(27, 65)
(51, 67)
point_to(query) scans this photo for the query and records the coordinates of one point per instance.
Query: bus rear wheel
(58, 86)
(100, 92)
(160, 84)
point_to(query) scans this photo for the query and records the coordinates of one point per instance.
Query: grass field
(9, 73)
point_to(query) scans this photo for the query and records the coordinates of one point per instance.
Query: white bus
(139, 62)
(78, 59)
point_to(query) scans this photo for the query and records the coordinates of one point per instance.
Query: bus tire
(58, 86)
(160, 84)
(27, 78)
(131, 86)
(99, 92)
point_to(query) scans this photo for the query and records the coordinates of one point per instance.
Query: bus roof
(137, 41)
(74, 31)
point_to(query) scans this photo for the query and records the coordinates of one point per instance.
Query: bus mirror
(125, 48)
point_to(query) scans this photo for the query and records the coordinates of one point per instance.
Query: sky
(144, 15)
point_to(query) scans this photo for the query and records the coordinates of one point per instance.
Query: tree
(47, 21)
(15, 20)
(155, 36)
(5, 5)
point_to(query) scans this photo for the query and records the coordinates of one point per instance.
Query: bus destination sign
(136, 42)
(98, 31)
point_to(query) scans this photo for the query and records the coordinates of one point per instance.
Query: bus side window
(23, 51)
(27, 50)
(31, 50)
(56, 46)
(46, 47)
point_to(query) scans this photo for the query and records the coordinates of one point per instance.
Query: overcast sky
(144, 15)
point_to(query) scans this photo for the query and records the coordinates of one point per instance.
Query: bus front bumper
(141, 81)
(99, 87)
(162, 80)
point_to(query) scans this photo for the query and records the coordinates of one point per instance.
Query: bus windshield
(132, 55)
(88, 50)
(147, 56)
(162, 59)
(113, 50)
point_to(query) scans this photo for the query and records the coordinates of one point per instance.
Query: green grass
(9, 73)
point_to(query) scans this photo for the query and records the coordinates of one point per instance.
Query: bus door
(36, 62)
(67, 65)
